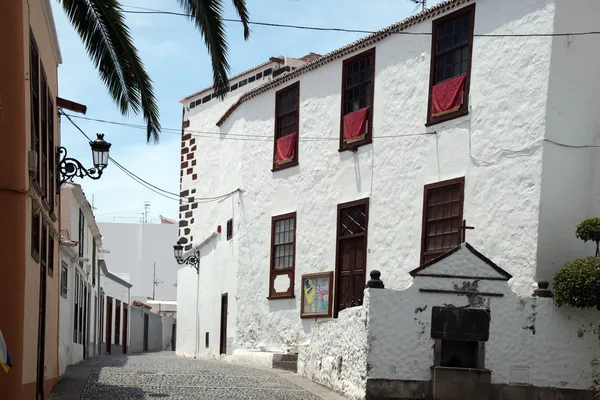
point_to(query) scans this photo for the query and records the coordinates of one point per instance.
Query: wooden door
(146, 331)
(108, 323)
(41, 347)
(125, 320)
(351, 260)
(174, 337)
(223, 344)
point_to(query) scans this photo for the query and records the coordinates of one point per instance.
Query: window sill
(281, 297)
(285, 166)
(448, 117)
(354, 146)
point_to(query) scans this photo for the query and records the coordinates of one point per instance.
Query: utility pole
(146, 208)
(423, 3)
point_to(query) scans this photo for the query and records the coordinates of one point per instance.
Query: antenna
(423, 3)
(146, 209)
(156, 283)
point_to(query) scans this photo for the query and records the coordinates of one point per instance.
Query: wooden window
(351, 260)
(117, 321)
(243, 82)
(230, 229)
(267, 71)
(81, 235)
(451, 50)
(34, 72)
(44, 132)
(287, 120)
(51, 154)
(64, 279)
(358, 84)
(283, 256)
(51, 255)
(94, 250)
(35, 236)
(442, 218)
(76, 308)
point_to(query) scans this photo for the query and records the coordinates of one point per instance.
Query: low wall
(337, 354)
(167, 332)
(136, 327)
(155, 341)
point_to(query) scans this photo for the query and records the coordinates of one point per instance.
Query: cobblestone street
(164, 376)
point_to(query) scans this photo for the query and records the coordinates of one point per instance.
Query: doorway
(351, 259)
(223, 341)
(125, 323)
(108, 323)
(101, 330)
(174, 337)
(146, 331)
(41, 355)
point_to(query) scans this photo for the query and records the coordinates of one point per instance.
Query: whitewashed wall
(498, 148)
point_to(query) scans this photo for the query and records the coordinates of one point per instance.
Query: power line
(143, 10)
(148, 185)
(234, 136)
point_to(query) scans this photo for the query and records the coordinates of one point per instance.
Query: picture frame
(317, 295)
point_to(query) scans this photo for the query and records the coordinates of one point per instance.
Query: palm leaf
(208, 18)
(101, 26)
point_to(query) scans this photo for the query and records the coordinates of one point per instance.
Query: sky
(177, 61)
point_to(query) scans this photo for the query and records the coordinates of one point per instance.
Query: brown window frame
(44, 132)
(290, 271)
(36, 233)
(369, 135)
(50, 255)
(464, 109)
(51, 154)
(117, 332)
(34, 72)
(426, 190)
(294, 86)
(230, 229)
(64, 279)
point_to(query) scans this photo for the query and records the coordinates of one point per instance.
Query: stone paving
(164, 376)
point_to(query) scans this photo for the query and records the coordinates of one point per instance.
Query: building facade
(145, 252)
(80, 243)
(29, 124)
(115, 298)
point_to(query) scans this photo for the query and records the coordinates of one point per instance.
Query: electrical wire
(234, 136)
(143, 10)
(165, 193)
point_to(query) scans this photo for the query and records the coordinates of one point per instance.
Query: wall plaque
(452, 323)
(317, 295)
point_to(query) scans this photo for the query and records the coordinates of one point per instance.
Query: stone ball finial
(542, 290)
(543, 284)
(375, 282)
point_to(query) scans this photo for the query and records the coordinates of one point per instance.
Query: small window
(259, 75)
(206, 99)
(212, 96)
(35, 236)
(451, 65)
(230, 229)
(287, 116)
(234, 87)
(243, 82)
(280, 71)
(358, 83)
(192, 105)
(267, 71)
(251, 79)
(442, 218)
(283, 255)
(64, 279)
(51, 255)
(206, 340)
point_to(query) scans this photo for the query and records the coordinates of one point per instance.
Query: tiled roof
(352, 47)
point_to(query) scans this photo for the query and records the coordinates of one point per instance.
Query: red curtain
(286, 148)
(447, 97)
(355, 125)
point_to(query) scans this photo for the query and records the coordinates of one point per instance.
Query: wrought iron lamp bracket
(71, 168)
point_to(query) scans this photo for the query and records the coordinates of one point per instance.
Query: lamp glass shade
(100, 149)
(178, 251)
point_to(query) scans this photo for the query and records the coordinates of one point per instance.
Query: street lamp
(192, 260)
(71, 168)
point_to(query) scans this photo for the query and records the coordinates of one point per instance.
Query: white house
(114, 311)
(372, 157)
(80, 242)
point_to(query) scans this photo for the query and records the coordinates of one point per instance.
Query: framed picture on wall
(317, 295)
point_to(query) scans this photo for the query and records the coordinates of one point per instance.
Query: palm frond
(208, 18)
(101, 26)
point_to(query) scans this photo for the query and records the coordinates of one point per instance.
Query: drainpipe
(197, 311)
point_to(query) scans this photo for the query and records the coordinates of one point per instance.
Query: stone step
(286, 365)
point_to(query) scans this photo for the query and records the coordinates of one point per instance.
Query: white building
(453, 119)
(80, 242)
(144, 251)
(114, 311)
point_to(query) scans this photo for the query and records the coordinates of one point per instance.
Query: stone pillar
(542, 290)
(375, 282)
(13, 185)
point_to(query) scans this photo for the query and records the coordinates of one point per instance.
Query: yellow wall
(35, 18)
